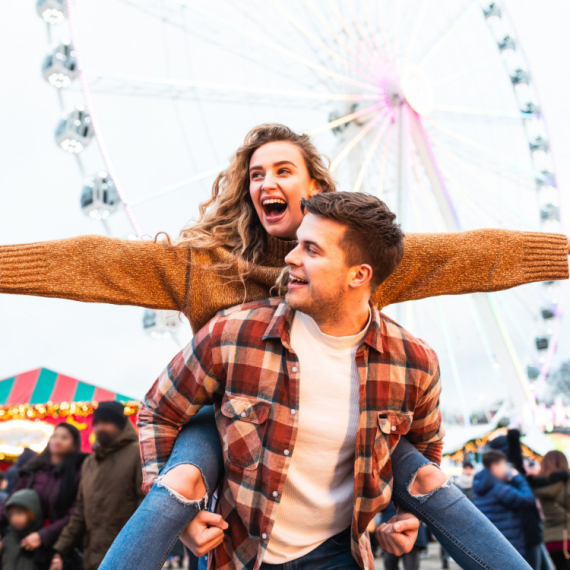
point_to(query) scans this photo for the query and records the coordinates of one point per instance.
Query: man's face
(319, 275)
(106, 432)
(500, 470)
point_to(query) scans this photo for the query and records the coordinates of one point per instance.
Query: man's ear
(362, 276)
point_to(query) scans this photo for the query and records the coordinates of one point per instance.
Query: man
(465, 480)
(502, 494)
(312, 394)
(110, 489)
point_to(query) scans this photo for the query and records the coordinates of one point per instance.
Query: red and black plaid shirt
(242, 362)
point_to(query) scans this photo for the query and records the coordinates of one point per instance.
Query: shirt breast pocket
(246, 420)
(391, 426)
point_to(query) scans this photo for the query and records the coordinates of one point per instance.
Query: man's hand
(204, 533)
(399, 534)
(32, 541)
(56, 562)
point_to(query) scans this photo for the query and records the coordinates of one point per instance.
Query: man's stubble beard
(326, 309)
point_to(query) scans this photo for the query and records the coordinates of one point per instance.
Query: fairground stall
(33, 403)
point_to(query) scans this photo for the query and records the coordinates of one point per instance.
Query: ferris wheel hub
(417, 89)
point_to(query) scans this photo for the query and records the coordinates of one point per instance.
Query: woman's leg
(146, 540)
(468, 535)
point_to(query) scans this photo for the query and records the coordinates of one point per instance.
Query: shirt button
(264, 536)
(294, 369)
(393, 428)
(243, 414)
(293, 412)
(286, 452)
(275, 494)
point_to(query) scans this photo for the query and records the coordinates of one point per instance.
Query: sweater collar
(276, 249)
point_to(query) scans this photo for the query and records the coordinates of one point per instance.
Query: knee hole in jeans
(426, 480)
(185, 480)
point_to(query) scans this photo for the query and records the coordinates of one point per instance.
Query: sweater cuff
(545, 256)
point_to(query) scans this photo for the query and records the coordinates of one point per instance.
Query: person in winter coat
(110, 489)
(552, 487)
(24, 511)
(465, 480)
(502, 494)
(510, 445)
(54, 475)
(12, 474)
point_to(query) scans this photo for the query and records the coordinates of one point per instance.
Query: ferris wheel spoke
(349, 32)
(372, 30)
(371, 152)
(366, 40)
(467, 71)
(451, 29)
(343, 120)
(477, 146)
(484, 112)
(396, 33)
(179, 185)
(481, 184)
(278, 48)
(384, 160)
(315, 39)
(366, 128)
(185, 89)
(336, 37)
(415, 29)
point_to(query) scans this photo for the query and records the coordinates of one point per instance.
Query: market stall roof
(41, 385)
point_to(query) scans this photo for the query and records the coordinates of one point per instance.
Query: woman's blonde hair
(229, 219)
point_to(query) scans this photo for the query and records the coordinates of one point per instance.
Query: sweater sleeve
(98, 269)
(474, 261)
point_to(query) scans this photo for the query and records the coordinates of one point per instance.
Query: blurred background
(453, 112)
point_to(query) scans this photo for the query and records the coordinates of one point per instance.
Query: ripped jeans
(145, 541)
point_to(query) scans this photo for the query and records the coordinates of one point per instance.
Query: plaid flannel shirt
(242, 362)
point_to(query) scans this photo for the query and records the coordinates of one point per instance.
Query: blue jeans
(145, 541)
(333, 554)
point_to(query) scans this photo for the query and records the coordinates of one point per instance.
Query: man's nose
(293, 257)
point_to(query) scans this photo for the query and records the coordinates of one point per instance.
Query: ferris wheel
(429, 104)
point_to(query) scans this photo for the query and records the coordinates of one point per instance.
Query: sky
(40, 185)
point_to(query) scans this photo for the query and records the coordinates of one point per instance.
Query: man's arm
(473, 261)
(518, 494)
(189, 382)
(426, 433)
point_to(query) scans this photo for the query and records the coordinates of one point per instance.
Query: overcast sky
(40, 186)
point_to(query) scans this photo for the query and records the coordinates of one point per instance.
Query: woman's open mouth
(274, 208)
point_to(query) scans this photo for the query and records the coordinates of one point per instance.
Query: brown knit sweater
(150, 274)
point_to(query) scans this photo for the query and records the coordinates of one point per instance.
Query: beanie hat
(113, 412)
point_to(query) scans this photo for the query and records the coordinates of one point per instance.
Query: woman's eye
(284, 171)
(255, 175)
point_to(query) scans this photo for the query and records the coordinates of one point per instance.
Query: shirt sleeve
(473, 261)
(426, 432)
(190, 381)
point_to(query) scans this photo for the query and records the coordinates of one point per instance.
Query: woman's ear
(315, 187)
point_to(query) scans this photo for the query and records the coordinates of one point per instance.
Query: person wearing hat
(110, 490)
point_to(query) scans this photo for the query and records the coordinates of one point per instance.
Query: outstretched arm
(98, 269)
(474, 261)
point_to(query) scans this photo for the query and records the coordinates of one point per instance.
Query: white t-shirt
(318, 498)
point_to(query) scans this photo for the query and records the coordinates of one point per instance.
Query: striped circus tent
(41, 386)
(33, 403)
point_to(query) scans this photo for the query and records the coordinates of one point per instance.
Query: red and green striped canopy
(41, 385)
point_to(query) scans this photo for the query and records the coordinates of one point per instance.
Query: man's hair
(371, 234)
(493, 456)
(467, 465)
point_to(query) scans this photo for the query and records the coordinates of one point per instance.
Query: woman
(54, 474)
(234, 253)
(552, 487)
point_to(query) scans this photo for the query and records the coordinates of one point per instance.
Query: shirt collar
(280, 327)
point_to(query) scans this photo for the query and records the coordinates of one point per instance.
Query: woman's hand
(204, 533)
(56, 563)
(32, 541)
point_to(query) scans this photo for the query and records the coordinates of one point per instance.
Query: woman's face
(278, 179)
(61, 442)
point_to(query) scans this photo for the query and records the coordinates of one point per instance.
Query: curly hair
(228, 218)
